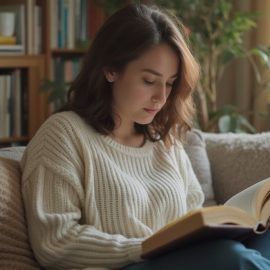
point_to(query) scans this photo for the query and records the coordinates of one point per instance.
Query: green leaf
(246, 124)
(227, 57)
(58, 94)
(224, 124)
(234, 123)
(263, 56)
(263, 114)
(267, 87)
(47, 85)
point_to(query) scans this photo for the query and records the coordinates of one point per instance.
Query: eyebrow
(157, 73)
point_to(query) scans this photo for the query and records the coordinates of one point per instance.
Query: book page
(251, 198)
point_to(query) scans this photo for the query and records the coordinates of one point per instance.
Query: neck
(128, 136)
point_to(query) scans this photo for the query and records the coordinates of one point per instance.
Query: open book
(246, 213)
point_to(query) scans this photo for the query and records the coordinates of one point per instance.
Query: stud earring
(110, 80)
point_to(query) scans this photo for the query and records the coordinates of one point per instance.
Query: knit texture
(91, 201)
(237, 161)
(15, 252)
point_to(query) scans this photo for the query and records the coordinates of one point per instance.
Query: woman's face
(142, 89)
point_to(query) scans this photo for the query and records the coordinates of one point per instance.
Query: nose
(160, 95)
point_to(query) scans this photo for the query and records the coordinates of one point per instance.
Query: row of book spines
(74, 22)
(34, 23)
(65, 69)
(13, 104)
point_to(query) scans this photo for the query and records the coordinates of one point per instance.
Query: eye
(148, 82)
(170, 84)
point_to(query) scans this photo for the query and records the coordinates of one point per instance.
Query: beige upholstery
(237, 161)
(195, 148)
(15, 251)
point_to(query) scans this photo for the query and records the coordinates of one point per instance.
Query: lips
(151, 110)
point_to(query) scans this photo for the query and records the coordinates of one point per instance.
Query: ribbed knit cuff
(135, 252)
(195, 200)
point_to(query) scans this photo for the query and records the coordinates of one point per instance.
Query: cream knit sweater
(90, 201)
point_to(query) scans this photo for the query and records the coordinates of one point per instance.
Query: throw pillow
(237, 161)
(195, 149)
(15, 251)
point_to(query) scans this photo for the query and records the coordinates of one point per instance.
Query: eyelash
(151, 83)
(148, 82)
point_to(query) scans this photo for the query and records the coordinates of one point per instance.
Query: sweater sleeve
(53, 193)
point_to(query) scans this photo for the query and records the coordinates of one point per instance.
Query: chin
(144, 121)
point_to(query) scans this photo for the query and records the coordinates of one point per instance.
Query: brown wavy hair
(123, 38)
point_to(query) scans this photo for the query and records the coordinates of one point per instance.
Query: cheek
(140, 94)
(136, 93)
(131, 92)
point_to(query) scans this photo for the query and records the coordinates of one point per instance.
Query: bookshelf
(42, 52)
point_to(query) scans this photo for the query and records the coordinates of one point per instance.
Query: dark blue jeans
(211, 255)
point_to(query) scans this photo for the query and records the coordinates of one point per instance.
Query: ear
(110, 75)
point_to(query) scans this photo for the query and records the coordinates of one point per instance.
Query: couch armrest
(237, 161)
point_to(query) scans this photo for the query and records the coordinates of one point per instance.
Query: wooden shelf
(22, 61)
(14, 139)
(61, 52)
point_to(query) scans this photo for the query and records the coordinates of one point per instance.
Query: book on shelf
(19, 46)
(34, 27)
(7, 40)
(30, 26)
(245, 214)
(65, 69)
(11, 48)
(37, 40)
(5, 94)
(13, 103)
(96, 18)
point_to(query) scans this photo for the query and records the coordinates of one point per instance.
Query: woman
(109, 170)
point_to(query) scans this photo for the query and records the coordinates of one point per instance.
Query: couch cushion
(15, 251)
(237, 161)
(195, 149)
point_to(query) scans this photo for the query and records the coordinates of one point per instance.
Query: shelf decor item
(12, 29)
(7, 23)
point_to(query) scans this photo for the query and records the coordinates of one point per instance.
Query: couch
(223, 163)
